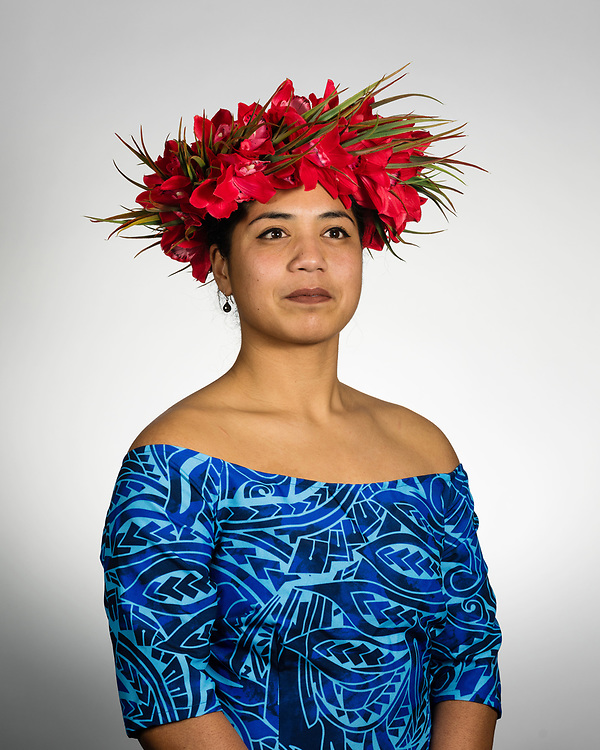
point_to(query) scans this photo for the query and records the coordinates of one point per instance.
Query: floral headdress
(380, 163)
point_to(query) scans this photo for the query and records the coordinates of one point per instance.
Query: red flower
(326, 162)
(404, 156)
(285, 178)
(364, 112)
(371, 238)
(187, 246)
(163, 193)
(403, 205)
(201, 264)
(204, 197)
(245, 179)
(240, 180)
(222, 123)
(286, 106)
(403, 173)
(330, 88)
(259, 143)
(203, 129)
(373, 179)
(170, 237)
(168, 163)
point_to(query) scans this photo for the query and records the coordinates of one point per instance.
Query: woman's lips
(309, 296)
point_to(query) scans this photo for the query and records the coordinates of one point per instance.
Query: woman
(291, 563)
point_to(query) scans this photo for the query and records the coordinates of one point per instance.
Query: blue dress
(316, 616)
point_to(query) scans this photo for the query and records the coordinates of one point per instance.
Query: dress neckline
(271, 475)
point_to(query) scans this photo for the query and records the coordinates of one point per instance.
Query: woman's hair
(220, 231)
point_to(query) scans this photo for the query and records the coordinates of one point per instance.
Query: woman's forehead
(296, 202)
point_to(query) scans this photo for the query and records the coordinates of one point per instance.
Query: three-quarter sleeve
(160, 601)
(464, 661)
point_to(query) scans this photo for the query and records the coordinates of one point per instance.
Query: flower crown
(380, 163)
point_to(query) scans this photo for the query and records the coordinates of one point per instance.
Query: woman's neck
(299, 380)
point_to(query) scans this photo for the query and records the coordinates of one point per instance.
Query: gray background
(490, 329)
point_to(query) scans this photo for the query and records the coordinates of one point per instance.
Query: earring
(227, 305)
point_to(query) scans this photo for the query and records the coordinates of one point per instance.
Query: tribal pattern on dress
(316, 616)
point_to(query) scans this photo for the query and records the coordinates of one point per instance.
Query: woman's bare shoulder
(413, 433)
(190, 423)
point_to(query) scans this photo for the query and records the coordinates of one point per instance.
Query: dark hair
(220, 231)
(361, 215)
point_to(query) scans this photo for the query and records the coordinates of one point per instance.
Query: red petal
(221, 209)
(170, 237)
(144, 200)
(201, 265)
(222, 123)
(308, 174)
(256, 187)
(371, 237)
(175, 183)
(168, 216)
(330, 88)
(204, 197)
(203, 128)
(226, 189)
(300, 104)
(247, 112)
(281, 98)
(152, 180)
(203, 194)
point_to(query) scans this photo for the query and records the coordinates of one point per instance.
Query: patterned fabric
(316, 616)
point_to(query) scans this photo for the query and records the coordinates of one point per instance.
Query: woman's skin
(457, 725)
(295, 271)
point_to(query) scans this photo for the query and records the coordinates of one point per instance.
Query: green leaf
(396, 98)
(143, 250)
(133, 182)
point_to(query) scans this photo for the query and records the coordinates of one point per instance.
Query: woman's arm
(464, 664)
(209, 732)
(462, 725)
(160, 598)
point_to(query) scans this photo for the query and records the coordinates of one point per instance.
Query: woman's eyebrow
(337, 215)
(271, 215)
(288, 217)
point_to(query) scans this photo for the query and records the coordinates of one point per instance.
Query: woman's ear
(220, 270)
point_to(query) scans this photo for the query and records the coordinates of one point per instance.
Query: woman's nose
(308, 255)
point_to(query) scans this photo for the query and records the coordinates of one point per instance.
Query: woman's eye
(336, 233)
(272, 234)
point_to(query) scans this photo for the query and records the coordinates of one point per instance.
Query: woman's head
(293, 265)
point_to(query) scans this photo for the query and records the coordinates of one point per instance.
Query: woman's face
(295, 267)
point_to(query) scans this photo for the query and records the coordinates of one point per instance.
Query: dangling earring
(226, 304)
